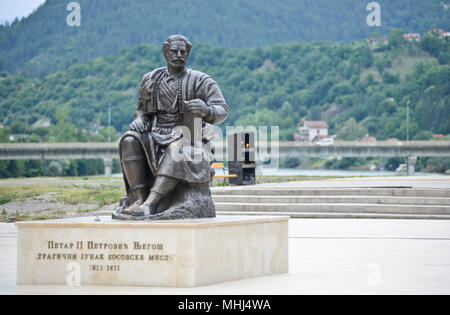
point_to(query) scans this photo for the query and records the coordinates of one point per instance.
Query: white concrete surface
(432, 181)
(419, 197)
(325, 257)
(177, 253)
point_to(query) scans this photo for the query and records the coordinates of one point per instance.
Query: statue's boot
(162, 187)
(140, 195)
(125, 210)
(136, 171)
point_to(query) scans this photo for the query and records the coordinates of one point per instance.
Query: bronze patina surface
(159, 185)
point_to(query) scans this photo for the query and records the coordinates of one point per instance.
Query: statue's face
(177, 55)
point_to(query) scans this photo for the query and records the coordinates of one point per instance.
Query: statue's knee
(129, 140)
(130, 146)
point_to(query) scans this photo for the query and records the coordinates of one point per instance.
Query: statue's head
(176, 50)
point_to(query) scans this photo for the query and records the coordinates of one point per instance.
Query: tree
(390, 78)
(4, 134)
(351, 130)
(395, 38)
(388, 106)
(106, 29)
(18, 127)
(431, 44)
(423, 135)
(294, 81)
(64, 130)
(363, 56)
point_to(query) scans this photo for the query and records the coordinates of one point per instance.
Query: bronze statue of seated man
(159, 186)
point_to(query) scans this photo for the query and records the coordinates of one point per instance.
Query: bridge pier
(108, 163)
(411, 165)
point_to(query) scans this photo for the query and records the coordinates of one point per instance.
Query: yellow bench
(220, 166)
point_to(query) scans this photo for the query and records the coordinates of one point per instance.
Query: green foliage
(43, 43)
(19, 127)
(4, 134)
(94, 191)
(390, 78)
(272, 86)
(290, 162)
(395, 38)
(388, 106)
(423, 135)
(392, 164)
(437, 165)
(351, 130)
(277, 85)
(55, 168)
(345, 163)
(432, 44)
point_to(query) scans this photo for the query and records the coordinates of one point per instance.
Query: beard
(178, 65)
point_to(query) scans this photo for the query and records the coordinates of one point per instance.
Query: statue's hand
(196, 107)
(140, 124)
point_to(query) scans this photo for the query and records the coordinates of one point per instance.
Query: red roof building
(368, 139)
(412, 36)
(311, 130)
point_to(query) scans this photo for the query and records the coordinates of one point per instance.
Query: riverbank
(57, 197)
(60, 197)
(43, 198)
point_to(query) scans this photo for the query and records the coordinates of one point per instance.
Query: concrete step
(332, 208)
(325, 215)
(289, 191)
(331, 215)
(333, 199)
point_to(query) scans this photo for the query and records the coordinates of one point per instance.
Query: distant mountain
(43, 42)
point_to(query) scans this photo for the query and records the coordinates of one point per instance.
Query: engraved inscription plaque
(181, 253)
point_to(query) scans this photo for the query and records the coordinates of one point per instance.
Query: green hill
(43, 43)
(356, 88)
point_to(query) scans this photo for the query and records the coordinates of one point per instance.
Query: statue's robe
(162, 96)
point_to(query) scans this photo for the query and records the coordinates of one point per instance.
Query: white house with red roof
(412, 36)
(312, 131)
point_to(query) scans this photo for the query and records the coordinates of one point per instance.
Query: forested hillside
(43, 43)
(357, 88)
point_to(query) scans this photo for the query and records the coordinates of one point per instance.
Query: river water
(304, 172)
(314, 173)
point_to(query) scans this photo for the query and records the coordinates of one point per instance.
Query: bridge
(109, 151)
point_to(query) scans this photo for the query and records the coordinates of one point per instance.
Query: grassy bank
(52, 198)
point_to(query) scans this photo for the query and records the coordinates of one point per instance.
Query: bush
(290, 163)
(392, 164)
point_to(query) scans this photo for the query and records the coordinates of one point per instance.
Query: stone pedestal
(183, 253)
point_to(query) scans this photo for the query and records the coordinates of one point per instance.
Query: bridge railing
(108, 151)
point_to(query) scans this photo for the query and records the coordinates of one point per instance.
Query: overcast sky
(10, 9)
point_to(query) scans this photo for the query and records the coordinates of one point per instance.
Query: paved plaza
(326, 256)
(430, 181)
